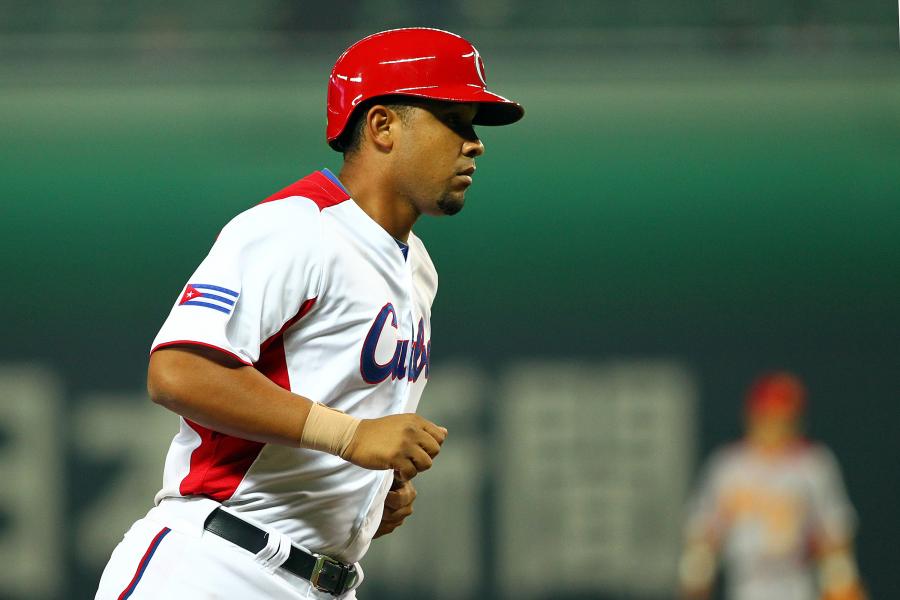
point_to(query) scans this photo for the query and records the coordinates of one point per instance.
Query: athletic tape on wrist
(328, 430)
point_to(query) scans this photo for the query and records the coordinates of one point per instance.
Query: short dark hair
(351, 138)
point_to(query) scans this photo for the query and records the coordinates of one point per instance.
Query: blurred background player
(774, 508)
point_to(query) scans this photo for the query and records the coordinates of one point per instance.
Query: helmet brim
(493, 108)
(498, 113)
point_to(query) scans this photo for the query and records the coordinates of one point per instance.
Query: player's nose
(473, 148)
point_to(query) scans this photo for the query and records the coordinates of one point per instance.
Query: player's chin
(451, 206)
(452, 202)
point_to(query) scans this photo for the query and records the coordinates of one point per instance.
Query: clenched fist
(405, 443)
(397, 506)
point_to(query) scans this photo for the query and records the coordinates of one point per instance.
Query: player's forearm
(696, 569)
(219, 393)
(231, 399)
(838, 573)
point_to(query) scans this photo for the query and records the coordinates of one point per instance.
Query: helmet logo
(479, 65)
(479, 68)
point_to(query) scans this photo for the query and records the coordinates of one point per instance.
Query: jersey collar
(404, 248)
(327, 173)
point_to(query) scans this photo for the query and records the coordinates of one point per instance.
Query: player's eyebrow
(463, 110)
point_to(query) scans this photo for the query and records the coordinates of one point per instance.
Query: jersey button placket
(410, 323)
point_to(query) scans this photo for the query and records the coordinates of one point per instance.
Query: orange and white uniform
(767, 515)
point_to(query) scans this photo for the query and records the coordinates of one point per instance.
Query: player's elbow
(160, 395)
(164, 380)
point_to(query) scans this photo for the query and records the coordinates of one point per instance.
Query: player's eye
(457, 123)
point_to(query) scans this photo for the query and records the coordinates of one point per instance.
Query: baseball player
(297, 352)
(774, 508)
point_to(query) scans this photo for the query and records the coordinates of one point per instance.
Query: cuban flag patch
(209, 296)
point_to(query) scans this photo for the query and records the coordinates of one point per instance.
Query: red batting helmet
(417, 62)
(779, 392)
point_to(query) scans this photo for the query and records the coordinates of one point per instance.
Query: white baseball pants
(168, 554)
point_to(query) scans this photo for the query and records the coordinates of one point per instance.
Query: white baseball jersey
(313, 293)
(768, 512)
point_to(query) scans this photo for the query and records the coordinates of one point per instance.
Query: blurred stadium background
(700, 190)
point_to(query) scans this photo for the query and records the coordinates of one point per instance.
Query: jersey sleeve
(834, 519)
(262, 268)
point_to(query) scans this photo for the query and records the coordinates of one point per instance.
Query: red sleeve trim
(205, 345)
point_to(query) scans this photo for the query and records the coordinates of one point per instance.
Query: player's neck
(772, 446)
(375, 197)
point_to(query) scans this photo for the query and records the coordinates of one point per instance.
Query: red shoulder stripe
(315, 186)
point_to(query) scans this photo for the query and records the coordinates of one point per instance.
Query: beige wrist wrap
(328, 430)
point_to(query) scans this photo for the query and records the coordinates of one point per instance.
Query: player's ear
(381, 123)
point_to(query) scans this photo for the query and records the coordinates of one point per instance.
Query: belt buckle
(329, 575)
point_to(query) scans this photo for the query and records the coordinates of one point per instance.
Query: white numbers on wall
(588, 463)
(135, 433)
(32, 490)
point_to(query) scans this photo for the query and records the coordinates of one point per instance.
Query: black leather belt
(324, 573)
